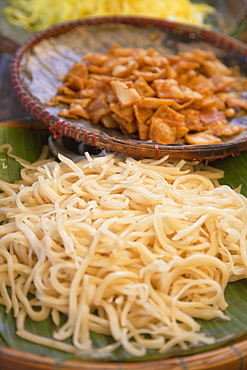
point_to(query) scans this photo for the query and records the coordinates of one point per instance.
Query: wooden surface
(10, 108)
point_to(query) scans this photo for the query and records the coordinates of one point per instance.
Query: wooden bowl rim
(234, 355)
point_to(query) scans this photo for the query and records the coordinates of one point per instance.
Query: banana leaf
(235, 169)
(28, 145)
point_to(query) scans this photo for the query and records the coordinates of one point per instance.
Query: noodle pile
(33, 14)
(132, 249)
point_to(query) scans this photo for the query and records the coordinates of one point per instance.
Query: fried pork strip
(188, 97)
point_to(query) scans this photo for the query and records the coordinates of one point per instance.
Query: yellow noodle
(32, 14)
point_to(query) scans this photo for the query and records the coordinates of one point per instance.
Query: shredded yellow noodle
(33, 14)
(135, 249)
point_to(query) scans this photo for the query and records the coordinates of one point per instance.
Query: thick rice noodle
(135, 249)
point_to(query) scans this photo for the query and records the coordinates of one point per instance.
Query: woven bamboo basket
(73, 39)
(233, 356)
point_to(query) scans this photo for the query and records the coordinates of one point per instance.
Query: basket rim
(131, 147)
(234, 354)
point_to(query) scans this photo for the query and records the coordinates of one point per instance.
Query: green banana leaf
(28, 145)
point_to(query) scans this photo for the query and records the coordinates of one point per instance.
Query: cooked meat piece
(167, 89)
(75, 82)
(161, 132)
(127, 113)
(93, 89)
(201, 84)
(202, 138)
(99, 70)
(80, 69)
(95, 58)
(109, 122)
(151, 73)
(143, 88)
(142, 114)
(222, 128)
(124, 70)
(235, 102)
(154, 103)
(125, 126)
(210, 114)
(98, 108)
(215, 67)
(222, 82)
(192, 119)
(168, 113)
(77, 110)
(126, 96)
